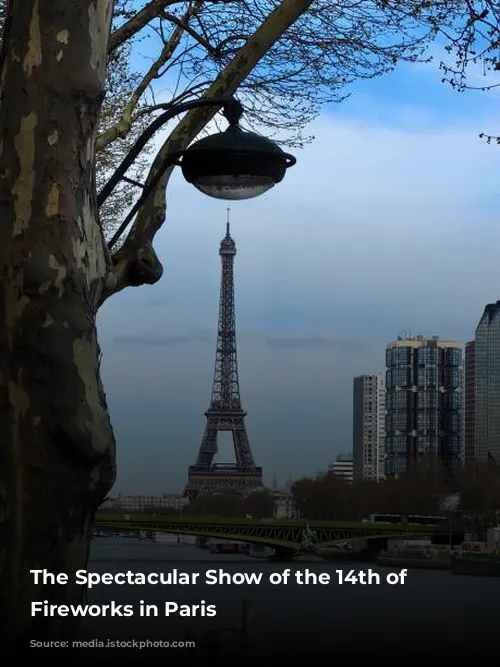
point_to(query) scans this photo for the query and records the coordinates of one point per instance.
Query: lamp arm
(233, 111)
(145, 194)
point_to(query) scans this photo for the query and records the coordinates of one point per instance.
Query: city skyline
(323, 281)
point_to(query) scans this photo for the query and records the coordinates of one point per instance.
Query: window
(427, 399)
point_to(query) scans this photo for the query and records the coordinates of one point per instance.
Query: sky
(387, 224)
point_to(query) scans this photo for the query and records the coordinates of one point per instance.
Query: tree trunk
(56, 441)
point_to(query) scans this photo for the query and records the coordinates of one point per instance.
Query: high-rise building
(368, 428)
(342, 467)
(487, 384)
(423, 401)
(469, 400)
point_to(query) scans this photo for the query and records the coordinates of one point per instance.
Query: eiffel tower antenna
(225, 412)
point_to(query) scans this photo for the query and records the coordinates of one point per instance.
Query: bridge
(281, 535)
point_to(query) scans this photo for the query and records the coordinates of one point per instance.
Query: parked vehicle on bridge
(384, 518)
(411, 519)
(427, 520)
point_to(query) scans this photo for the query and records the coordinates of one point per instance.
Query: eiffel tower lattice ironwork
(225, 412)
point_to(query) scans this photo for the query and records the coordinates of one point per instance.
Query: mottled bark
(57, 451)
(56, 442)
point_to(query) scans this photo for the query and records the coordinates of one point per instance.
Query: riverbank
(476, 565)
(292, 620)
(413, 563)
(340, 556)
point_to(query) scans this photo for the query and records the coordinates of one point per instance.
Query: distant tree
(480, 495)
(366, 498)
(224, 503)
(325, 498)
(419, 490)
(168, 511)
(259, 505)
(422, 486)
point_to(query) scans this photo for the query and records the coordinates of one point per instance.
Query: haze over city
(387, 223)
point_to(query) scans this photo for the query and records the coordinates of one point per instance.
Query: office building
(369, 427)
(146, 504)
(342, 467)
(284, 505)
(423, 401)
(487, 385)
(469, 400)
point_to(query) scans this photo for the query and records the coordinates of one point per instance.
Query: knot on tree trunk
(132, 266)
(144, 268)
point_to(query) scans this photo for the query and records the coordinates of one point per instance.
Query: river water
(432, 613)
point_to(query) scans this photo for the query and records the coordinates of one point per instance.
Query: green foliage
(120, 85)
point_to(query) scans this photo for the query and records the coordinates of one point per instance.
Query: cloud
(373, 231)
(294, 341)
(388, 221)
(282, 340)
(150, 340)
(153, 303)
(143, 299)
(160, 340)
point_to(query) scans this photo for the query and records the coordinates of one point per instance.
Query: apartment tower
(487, 385)
(368, 427)
(424, 402)
(469, 400)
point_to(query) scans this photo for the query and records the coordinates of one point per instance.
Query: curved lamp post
(233, 165)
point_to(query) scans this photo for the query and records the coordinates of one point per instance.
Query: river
(432, 613)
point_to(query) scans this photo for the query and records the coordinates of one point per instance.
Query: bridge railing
(186, 519)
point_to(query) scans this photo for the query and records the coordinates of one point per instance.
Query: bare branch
(152, 215)
(122, 127)
(152, 10)
(473, 38)
(284, 76)
(134, 25)
(182, 23)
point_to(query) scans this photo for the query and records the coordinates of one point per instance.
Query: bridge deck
(286, 534)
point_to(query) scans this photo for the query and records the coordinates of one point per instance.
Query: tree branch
(122, 127)
(176, 100)
(152, 10)
(134, 25)
(182, 23)
(152, 214)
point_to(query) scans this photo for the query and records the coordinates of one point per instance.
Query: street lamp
(233, 164)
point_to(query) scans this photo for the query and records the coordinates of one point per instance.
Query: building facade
(469, 400)
(424, 381)
(284, 505)
(146, 504)
(342, 467)
(487, 385)
(369, 427)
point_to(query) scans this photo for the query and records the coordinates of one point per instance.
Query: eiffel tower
(225, 412)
